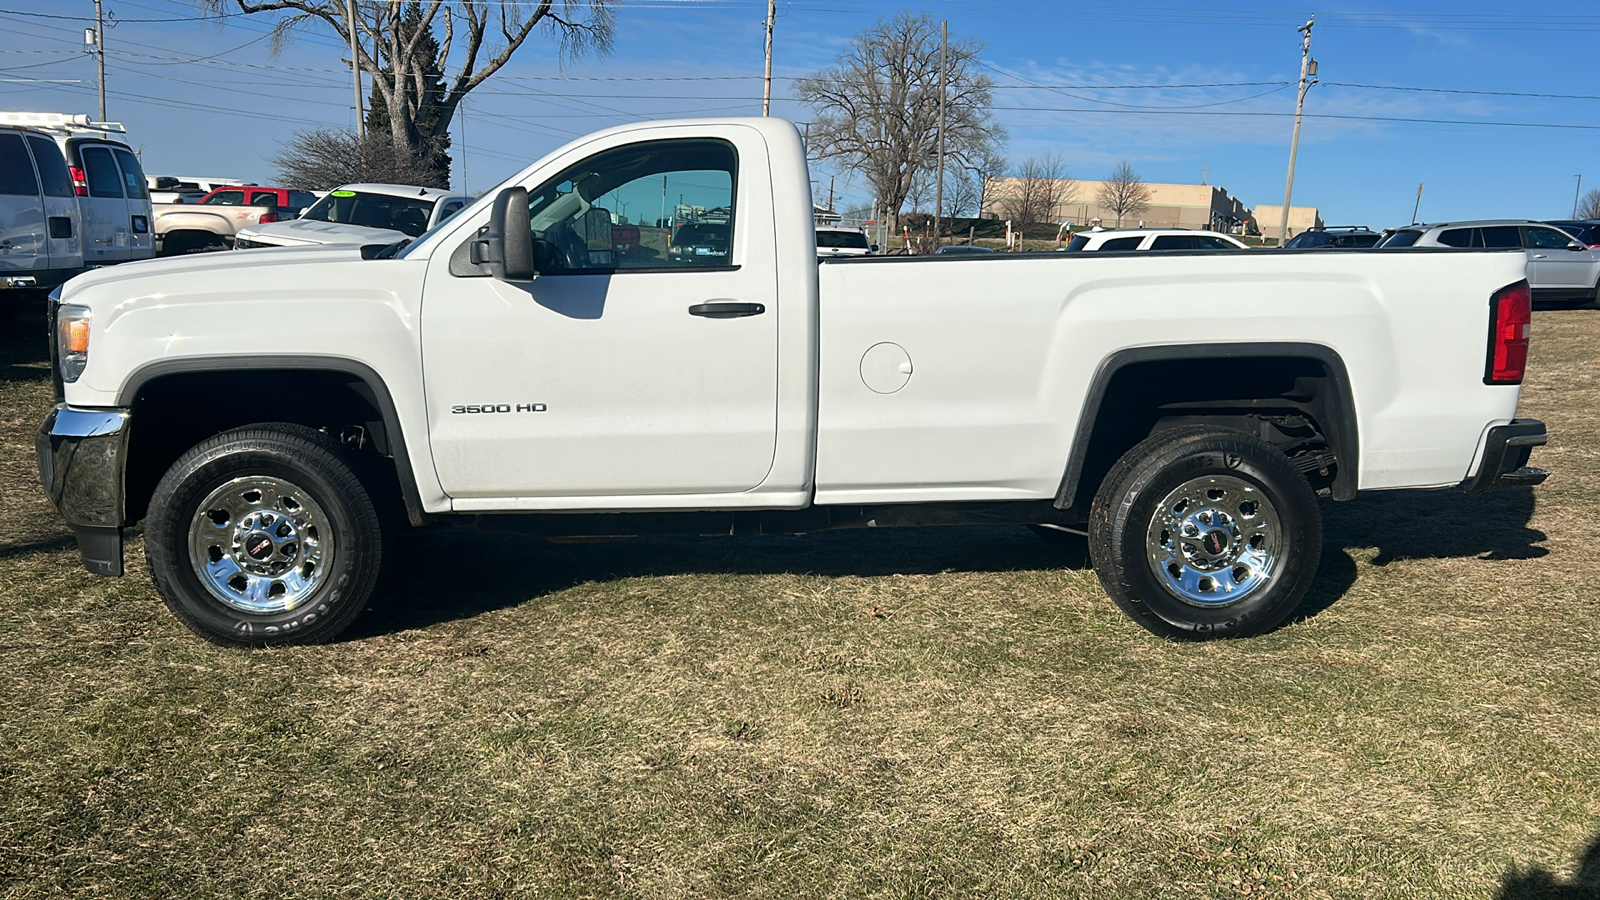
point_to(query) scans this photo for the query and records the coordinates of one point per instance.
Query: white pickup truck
(274, 418)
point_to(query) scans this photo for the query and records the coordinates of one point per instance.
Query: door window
(263, 198)
(104, 178)
(1499, 237)
(133, 183)
(1128, 243)
(664, 204)
(225, 198)
(52, 168)
(1458, 237)
(16, 170)
(1207, 242)
(1547, 239)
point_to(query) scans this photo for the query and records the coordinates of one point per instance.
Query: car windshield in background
(407, 215)
(1587, 232)
(1333, 239)
(1401, 239)
(844, 240)
(1078, 242)
(301, 199)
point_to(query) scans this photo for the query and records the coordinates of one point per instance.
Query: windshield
(408, 215)
(846, 240)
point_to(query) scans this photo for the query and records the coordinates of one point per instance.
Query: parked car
(1113, 239)
(1585, 230)
(167, 189)
(961, 250)
(359, 214)
(1185, 410)
(699, 243)
(41, 238)
(834, 241)
(1560, 267)
(1336, 237)
(215, 221)
(113, 202)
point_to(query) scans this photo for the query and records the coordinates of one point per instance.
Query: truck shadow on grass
(1401, 525)
(1537, 884)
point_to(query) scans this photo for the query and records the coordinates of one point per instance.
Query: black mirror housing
(503, 249)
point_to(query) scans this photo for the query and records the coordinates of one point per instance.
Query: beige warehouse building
(1193, 206)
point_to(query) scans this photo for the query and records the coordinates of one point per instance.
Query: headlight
(72, 341)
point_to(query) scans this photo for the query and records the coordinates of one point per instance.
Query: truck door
(614, 373)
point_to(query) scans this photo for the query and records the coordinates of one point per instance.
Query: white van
(41, 238)
(109, 183)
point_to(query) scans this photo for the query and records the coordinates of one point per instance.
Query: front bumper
(82, 463)
(1505, 457)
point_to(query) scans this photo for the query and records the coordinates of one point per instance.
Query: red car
(292, 202)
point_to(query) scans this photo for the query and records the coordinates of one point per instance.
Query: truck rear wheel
(264, 535)
(1200, 533)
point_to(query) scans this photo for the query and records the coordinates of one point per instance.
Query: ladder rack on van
(60, 122)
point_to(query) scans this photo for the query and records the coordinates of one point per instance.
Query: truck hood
(147, 277)
(305, 232)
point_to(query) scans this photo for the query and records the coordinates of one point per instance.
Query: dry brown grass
(954, 712)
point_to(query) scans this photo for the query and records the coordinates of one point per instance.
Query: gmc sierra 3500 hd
(274, 417)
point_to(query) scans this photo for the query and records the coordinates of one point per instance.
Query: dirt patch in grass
(942, 712)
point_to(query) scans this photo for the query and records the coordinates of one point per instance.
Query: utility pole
(938, 189)
(100, 55)
(1576, 191)
(766, 92)
(355, 68)
(1308, 68)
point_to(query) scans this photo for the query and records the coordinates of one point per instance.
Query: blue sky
(203, 98)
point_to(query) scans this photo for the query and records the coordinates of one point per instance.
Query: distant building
(1301, 218)
(1194, 206)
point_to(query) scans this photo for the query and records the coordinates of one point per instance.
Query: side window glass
(451, 208)
(652, 205)
(1547, 239)
(226, 198)
(1128, 243)
(16, 170)
(52, 168)
(1456, 237)
(1207, 242)
(1502, 236)
(101, 170)
(132, 176)
(1172, 242)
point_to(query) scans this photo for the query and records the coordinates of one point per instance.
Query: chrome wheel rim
(261, 545)
(1214, 541)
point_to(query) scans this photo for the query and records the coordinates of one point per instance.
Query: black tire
(1256, 538)
(315, 520)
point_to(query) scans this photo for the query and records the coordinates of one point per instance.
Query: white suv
(359, 214)
(1560, 267)
(834, 242)
(1153, 239)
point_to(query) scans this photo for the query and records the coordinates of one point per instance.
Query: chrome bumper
(82, 463)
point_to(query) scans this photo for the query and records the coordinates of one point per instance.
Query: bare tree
(962, 194)
(877, 108)
(324, 159)
(1589, 208)
(1037, 190)
(479, 37)
(1124, 193)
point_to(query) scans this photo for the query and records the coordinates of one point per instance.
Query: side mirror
(874, 248)
(504, 247)
(1577, 245)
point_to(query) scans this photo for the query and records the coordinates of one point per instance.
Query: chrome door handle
(1540, 256)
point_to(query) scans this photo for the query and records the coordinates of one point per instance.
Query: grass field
(924, 713)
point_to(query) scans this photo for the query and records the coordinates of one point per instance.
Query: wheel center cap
(258, 544)
(1215, 541)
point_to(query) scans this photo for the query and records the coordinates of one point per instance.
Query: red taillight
(1510, 321)
(267, 218)
(80, 184)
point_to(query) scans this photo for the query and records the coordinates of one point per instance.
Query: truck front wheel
(1200, 533)
(264, 535)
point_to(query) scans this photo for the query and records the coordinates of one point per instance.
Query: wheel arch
(344, 392)
(1100, 438)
